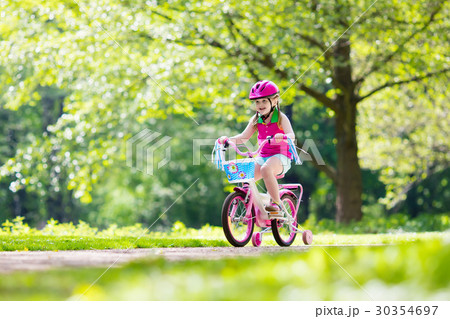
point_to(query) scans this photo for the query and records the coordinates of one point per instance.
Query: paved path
(44, 260)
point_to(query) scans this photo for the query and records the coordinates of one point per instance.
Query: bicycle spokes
(237, 222)
(285, 229)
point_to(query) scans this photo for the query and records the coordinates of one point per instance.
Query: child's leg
(257, 172)
(269, 170)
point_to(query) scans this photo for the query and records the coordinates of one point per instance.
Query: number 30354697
(404, 310)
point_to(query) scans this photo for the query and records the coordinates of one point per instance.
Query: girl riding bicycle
(275, 158)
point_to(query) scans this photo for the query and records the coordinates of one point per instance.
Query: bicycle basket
(240, 170)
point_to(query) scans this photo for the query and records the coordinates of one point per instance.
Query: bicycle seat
(280, 176)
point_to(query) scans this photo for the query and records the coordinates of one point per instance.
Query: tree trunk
(349, 181)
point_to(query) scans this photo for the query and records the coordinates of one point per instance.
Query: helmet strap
(272, 107)
(264, 117)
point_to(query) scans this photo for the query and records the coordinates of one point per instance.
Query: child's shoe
(274, 210)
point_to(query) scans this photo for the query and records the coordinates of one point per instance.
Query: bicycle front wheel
(283, 231)
(237, 224)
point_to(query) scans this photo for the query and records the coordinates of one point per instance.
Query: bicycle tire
(237, 233)
(278, 227)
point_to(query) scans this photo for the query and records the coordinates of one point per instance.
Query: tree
(129, 61)
(351, 48)
(407, 149)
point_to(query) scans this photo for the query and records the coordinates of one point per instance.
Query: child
(275, 158)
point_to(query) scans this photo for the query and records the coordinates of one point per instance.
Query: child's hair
(255, 117)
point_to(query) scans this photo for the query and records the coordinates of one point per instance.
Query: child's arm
(245, 135)
(287, 127)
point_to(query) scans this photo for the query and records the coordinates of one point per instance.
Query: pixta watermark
(308, 152)
(148, 150)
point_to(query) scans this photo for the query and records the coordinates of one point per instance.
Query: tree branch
(377, 65)
(322, 98)
(329, 170)
(262, 57)
(311, 41)
(314, 42)
(430, 170)
(394, 83)
(161, 15)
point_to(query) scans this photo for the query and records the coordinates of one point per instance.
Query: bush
(396, 223)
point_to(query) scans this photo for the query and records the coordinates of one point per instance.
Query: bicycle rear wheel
(238, 227)
(282, 230)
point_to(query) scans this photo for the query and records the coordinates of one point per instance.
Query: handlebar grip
(269, 138)
(219, 140)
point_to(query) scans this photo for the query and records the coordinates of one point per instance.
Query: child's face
(263, 105)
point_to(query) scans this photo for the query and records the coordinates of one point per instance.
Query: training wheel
(256, 239)
(307, 237)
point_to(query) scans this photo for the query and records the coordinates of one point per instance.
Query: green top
(274, 118)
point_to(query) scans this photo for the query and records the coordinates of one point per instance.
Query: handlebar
(218, 157)
(249, 154)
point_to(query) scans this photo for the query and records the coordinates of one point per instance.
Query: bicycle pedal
(273, 215)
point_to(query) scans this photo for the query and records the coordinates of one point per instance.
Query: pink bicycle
(244, 207)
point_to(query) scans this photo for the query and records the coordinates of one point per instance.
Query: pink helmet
(263, 89)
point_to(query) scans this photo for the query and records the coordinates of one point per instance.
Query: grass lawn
(17, 235)
(57, 242)
(42, 242)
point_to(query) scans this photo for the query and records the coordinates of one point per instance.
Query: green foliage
(79, 79)
(17, 235)
(417, 271)
(404, 137)
(16, 227)
(327, 238)
(80, 242)
(39, 242)
(206, 231)
(397, 223)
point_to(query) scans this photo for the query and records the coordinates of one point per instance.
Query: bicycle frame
(252, 204)
(254, 199)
